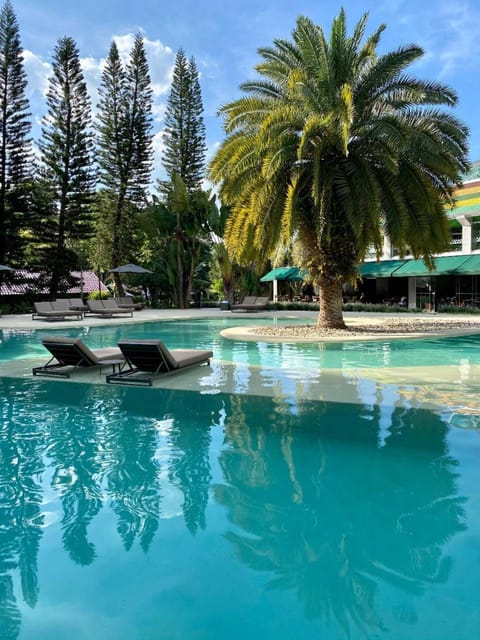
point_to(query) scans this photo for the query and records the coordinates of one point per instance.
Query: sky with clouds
(224, 37)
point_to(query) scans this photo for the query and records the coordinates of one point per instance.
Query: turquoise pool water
(172, 514)
(205, 334)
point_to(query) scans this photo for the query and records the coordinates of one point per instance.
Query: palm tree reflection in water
(330, 515)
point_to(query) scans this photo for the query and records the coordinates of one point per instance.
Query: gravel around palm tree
(336, 145)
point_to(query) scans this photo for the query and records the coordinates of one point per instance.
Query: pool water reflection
(164, 514)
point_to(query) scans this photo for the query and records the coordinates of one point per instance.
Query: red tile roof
(26, 282)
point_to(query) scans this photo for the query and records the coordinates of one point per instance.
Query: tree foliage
(15, 143)
(66, 152)
(184, 135)
(125, 149)
(178, 233)
(337, 143)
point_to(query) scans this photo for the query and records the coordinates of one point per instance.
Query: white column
(412, 292)
(466, 234)
(275, 290)
(387, 248)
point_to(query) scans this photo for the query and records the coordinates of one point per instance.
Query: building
(455, 279)
(21, 282)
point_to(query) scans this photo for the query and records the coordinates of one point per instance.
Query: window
(456, 236)
(475, 233)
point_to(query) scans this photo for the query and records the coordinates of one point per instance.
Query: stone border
(359, 329)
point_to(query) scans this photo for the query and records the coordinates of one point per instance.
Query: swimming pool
(259, 512)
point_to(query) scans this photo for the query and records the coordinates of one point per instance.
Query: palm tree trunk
(330, 315)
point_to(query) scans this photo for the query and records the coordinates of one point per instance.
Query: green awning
(471, 266)
(382, 269)
(285, 273)
(447, 265)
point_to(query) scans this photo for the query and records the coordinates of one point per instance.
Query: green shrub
(99, 295)
(377, 308)
(448, 308)
(22, 306)
(293, 306)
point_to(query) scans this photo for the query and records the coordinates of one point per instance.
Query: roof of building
(24, 282)
(473, 173)
(444, 265)
(284, 273)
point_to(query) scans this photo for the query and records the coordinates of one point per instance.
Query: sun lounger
(106, 308)
(77, 304)
(70, 304)
(56, 310)
(152, 356)
(126, 302)
(252, 303)
(72, 352)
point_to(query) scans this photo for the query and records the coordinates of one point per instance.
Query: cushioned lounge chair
(152, 356)
(106, 308)
(252, 303)
(77, 304)
(72, 352)
(54, 311)
(126, 302)
(70, 305)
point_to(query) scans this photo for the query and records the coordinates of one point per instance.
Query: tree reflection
(94, 446)
(332, 515)
(74, 452)
(132, 471)
(21, 518)
(189, 464)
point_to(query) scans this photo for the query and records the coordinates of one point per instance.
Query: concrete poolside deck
(424, 324)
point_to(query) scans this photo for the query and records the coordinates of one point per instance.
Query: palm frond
(336, 144)
(262, 89)
(308, 38)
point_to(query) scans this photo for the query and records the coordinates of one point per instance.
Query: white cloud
(92, 72)
(459, 42)
(158, 110)
(158, 144)
(160, 60)
(37, 71)
(449, 34)
(158, 148)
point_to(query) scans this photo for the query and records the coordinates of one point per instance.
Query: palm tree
(337, 145)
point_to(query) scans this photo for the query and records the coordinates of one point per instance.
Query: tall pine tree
(125, 148)
(184, 134)
(15, 143)
(66, 147)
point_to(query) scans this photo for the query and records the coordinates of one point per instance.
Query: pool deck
(471, 322)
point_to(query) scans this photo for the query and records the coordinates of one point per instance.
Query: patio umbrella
(129, 268)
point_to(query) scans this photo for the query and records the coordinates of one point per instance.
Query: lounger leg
(122, 378)
(51, 370)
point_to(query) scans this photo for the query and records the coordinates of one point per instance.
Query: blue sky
(224, 36)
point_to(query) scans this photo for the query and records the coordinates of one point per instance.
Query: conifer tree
(184, 136)
(125, 148)
(66, 148)
(15, 125)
